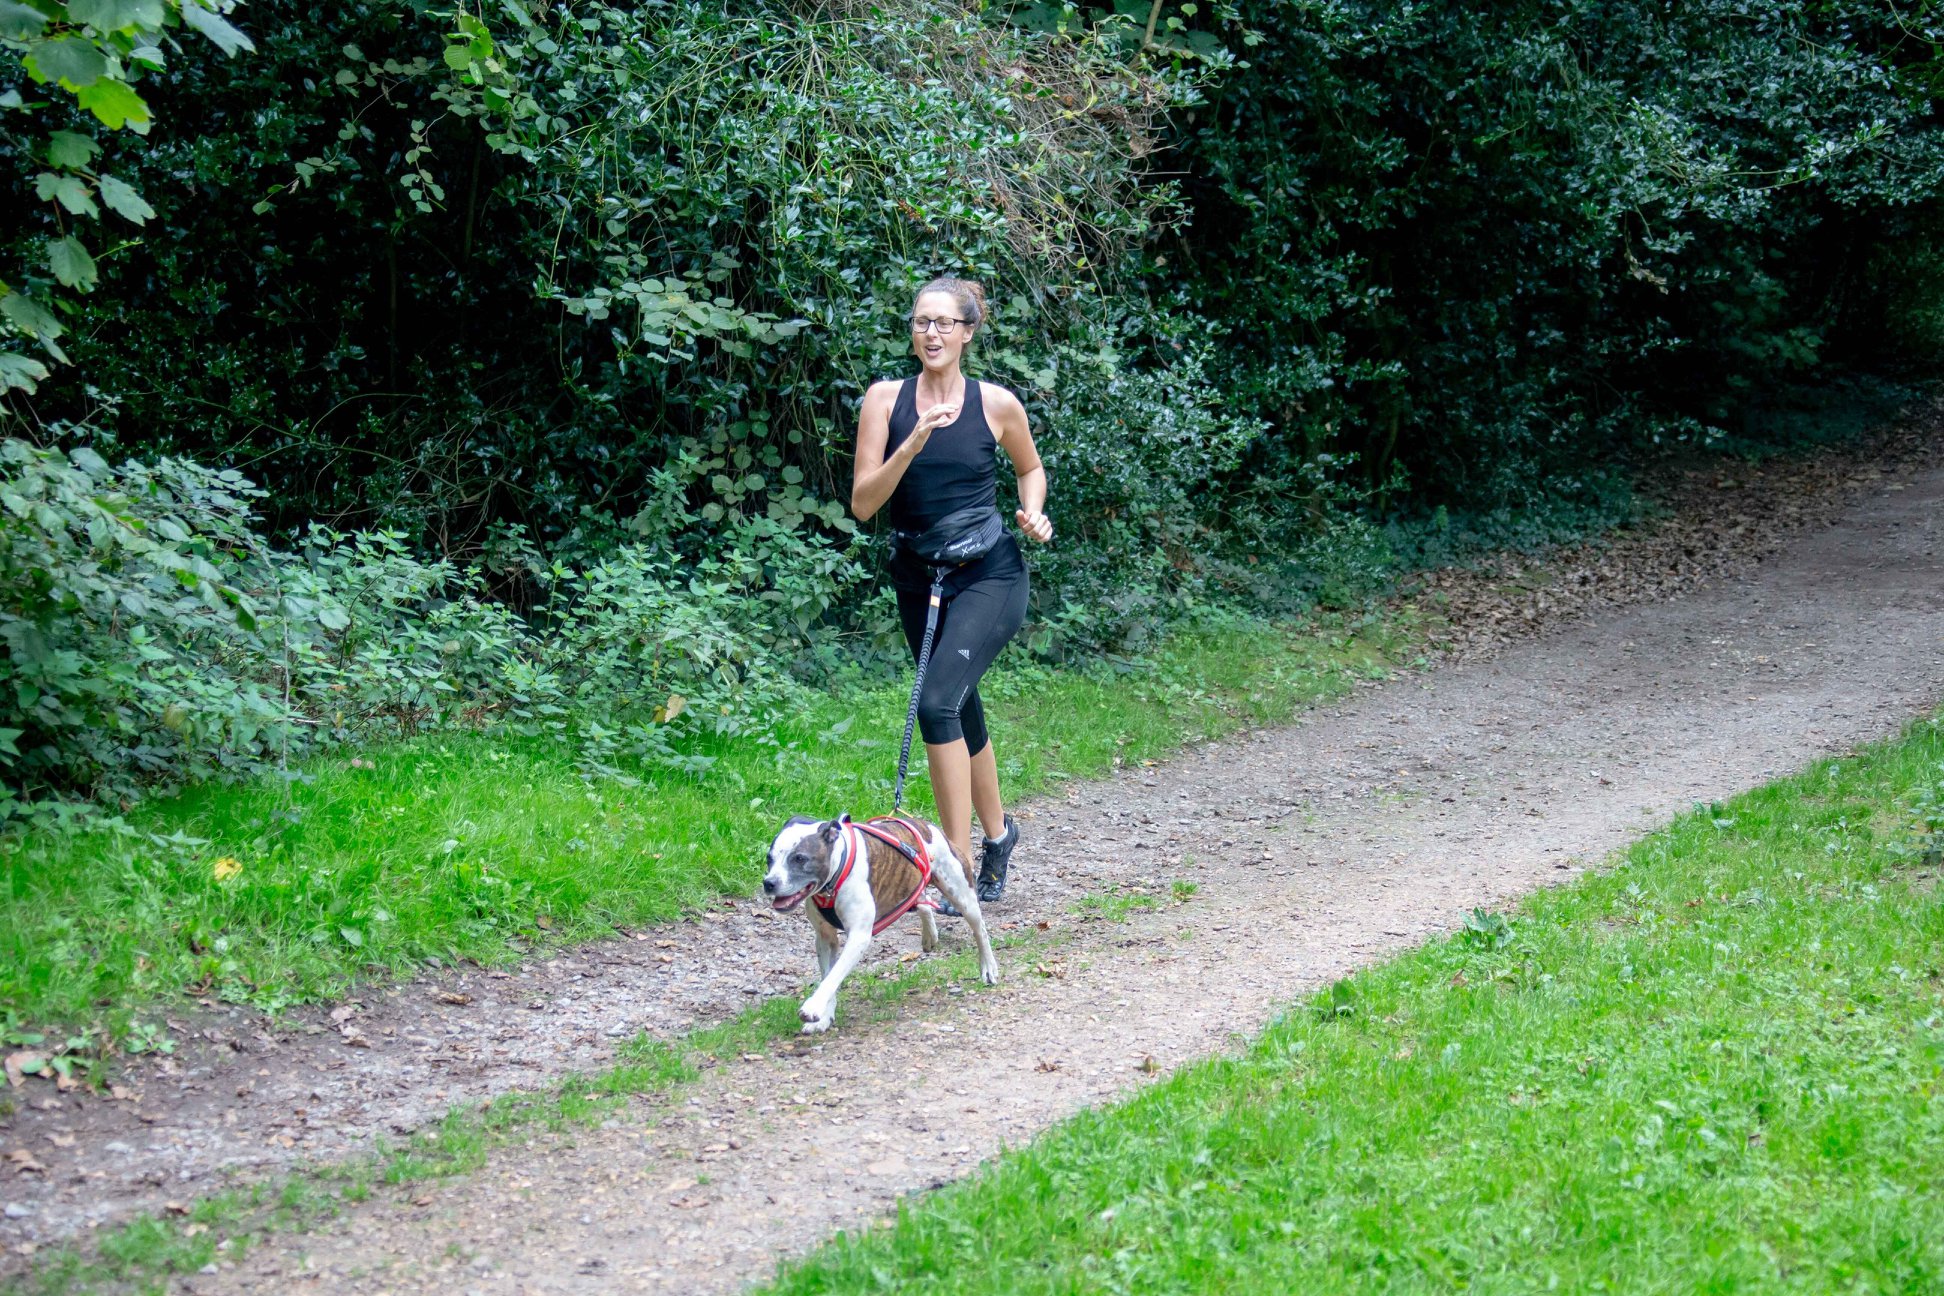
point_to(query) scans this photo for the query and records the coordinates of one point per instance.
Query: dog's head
(800, 861)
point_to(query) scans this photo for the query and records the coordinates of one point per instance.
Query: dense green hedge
(531, 288)
(556, 273)
(1496, 242)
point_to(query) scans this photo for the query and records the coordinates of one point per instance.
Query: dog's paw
(814, 1019)
(989, 972)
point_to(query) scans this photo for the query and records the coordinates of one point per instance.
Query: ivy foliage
(1497, 242)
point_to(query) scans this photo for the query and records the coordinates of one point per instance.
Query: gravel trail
(1809, 617)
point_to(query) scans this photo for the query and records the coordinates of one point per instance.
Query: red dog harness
(850, 843)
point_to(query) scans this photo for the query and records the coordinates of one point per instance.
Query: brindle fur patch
(893, 877)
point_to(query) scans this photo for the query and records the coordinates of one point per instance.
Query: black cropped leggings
(973, 626)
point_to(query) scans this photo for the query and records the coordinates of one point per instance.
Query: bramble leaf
(124, 201)
(20, 22)
(71, 264)
(70, 60)
(71, 191)
(216, 27)
(29, 315)
(117, 15)
(19, 372)
(67, 150)
(115, 104)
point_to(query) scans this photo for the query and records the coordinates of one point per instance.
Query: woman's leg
(985, 791)
(951, 780)
(945, 756)
(973, 626)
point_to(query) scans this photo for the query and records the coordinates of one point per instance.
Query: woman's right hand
(932, 419)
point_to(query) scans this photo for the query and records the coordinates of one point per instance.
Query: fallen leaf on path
(451, 997)
(344, 1014)
(1045, 1064)
(1147, 1064)
(21, 1064)
(27, 1162)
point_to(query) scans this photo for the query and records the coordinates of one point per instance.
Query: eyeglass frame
(937, 323)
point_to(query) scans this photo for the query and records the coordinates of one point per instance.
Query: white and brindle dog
(851, 877)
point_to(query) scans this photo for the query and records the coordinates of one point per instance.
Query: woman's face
(937, 349)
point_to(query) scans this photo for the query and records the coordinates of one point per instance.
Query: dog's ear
(829, 831)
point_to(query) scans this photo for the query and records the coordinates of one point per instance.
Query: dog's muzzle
(785, 903)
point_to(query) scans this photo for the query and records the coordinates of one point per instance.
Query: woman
(928, 466)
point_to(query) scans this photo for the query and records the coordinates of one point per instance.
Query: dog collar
(848, 844)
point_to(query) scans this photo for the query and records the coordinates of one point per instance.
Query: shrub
(148, 634)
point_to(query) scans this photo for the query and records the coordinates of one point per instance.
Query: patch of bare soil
(1813, 618)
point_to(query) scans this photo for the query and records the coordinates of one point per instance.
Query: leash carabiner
(918, 684)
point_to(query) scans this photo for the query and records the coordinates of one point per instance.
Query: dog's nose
(769, 886)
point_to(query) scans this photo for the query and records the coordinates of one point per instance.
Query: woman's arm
(1008, 417)
(873, 476)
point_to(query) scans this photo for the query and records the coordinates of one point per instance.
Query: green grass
(482, 846)
(1717, 1067)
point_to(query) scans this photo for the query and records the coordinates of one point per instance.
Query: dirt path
(1314, 849)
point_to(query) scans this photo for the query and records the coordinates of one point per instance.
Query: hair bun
(969, 293)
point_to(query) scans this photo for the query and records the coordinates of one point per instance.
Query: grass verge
(146, 1253)
(480, 846)
(1717, 1067)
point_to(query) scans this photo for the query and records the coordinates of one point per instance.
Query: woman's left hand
(1036, 525)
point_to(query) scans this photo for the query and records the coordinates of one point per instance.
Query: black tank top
(957, 468)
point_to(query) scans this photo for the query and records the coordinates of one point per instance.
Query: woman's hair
(969, 293)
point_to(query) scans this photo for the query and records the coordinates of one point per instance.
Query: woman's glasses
(945, 325)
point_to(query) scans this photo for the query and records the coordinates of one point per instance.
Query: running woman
(927, 465)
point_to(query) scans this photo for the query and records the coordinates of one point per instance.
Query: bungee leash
(918, 684)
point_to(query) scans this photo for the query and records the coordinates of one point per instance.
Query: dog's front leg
(928, 930)
(826, 949)
(859, 911)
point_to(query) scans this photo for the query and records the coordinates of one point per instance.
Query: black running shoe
(994, 858)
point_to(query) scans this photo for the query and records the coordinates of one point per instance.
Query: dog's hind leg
(928, 931)
(965, 898)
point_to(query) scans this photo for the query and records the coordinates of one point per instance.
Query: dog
(859, 875)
